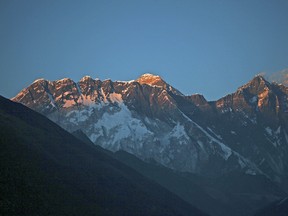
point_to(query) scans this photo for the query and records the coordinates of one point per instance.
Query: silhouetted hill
(47, 171)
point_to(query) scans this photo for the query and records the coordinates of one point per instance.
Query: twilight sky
(198, 46)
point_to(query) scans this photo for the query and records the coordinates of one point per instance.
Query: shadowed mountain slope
(232, 194)
(279, 208)
(47, 171)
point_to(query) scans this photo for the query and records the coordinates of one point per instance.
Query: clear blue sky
(209, 47)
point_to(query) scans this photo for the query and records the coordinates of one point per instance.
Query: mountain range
(244, 131)
(232, 149)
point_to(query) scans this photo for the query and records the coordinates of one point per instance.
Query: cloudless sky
(198, 46)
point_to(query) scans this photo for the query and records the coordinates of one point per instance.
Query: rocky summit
(245, 131)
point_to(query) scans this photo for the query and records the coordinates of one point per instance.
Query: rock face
(245, 131)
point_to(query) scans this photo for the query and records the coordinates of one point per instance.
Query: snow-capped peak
(151, 79)
(64, 80)
(256, 85)
(149, 75)
(38, 80)
(85, 78)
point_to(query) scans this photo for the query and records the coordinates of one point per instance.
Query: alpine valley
(242, 137)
